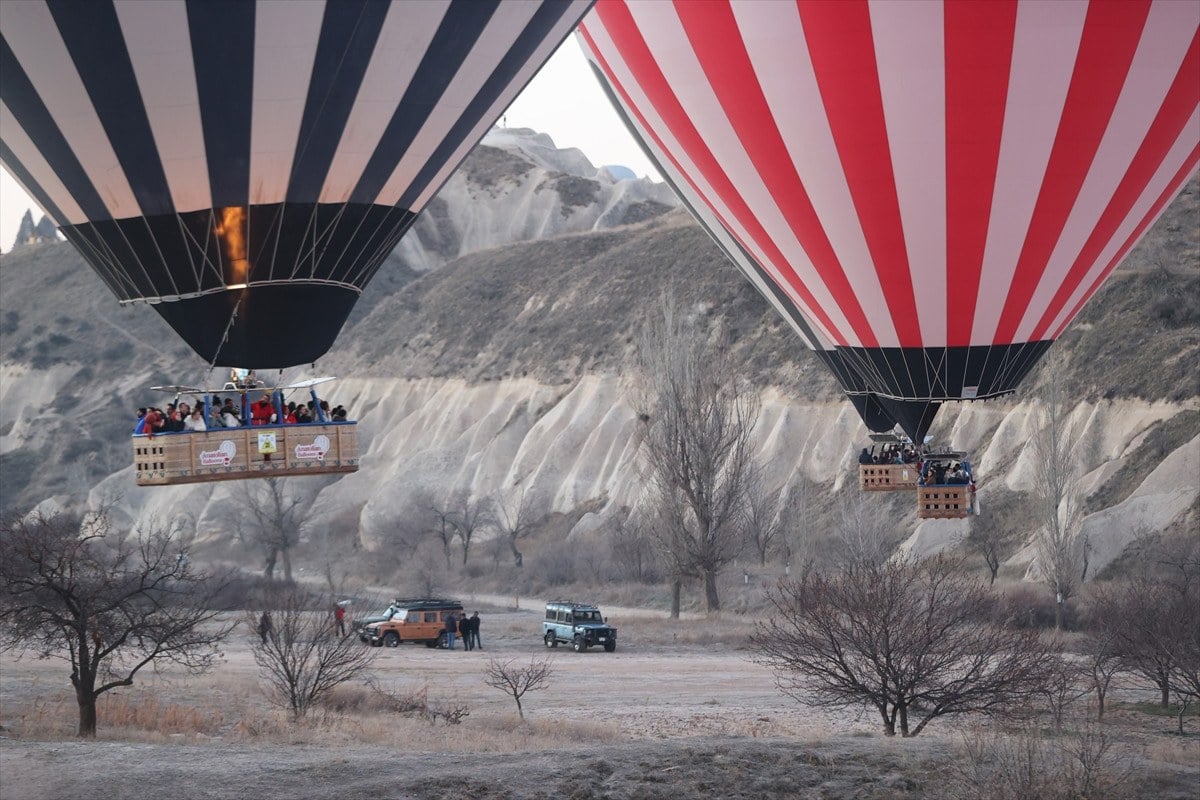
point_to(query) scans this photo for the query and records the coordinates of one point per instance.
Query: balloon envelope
(247, 165)
(929, 192)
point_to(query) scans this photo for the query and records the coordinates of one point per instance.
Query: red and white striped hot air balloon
(928, 191)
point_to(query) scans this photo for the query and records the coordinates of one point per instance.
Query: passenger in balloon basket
(864, 457)
(195, 422)
(261, 411)
(155, 422)
(173, 422)
(140, 425)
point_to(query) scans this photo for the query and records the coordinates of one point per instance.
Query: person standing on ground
(339, 616)
(449, 628)
(264, 626)
(464, 632)
(475, 642)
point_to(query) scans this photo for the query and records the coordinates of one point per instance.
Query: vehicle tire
(550, 640)
(578, 644)
(441, 641)
(391, 639)
(431, 643)
(610, 647)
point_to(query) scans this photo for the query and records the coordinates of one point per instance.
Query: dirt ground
(679, 711)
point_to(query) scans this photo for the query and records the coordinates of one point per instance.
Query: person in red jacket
(261, 411)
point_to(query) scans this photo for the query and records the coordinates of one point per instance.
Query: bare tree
(472, 515)
(514, 520)
(765, 518)
(1102, 661)
(796, 538)
(301, 655)
(108, 602)
(1186, 675)
(865, 534)
(700, 417)
(517, 679)
(632, 549)
(437, 518)
(1061, 552)
(905, 639)
(278, 518)
(991, 538)
(1143, 621)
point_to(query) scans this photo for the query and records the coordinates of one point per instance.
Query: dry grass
(124, 715)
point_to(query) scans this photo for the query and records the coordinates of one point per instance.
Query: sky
(564, 100)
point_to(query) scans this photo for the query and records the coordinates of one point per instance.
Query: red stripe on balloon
(1111, 32)
(843, 57)
(1169, 123)
(712, 29)
(979, 47)
(1173, 187)
(619, 24)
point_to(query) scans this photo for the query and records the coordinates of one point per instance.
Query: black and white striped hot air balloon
(247, 165)
(929, 191)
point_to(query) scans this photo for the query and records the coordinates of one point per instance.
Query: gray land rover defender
(578, 624)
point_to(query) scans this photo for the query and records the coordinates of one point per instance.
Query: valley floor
(679, 711)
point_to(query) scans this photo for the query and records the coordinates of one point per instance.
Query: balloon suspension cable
(225, 335)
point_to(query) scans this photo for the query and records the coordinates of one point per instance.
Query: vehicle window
(413, 616)
(550, 614)
(564, 616)
(431, 616)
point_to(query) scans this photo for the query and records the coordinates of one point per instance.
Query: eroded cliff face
(491, 357)
(576, 445)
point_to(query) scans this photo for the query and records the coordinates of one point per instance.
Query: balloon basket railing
(887, 477)
(944, 501)
(256, 451)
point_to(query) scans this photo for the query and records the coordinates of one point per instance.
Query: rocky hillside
(492, 357)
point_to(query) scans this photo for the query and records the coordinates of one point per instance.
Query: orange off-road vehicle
(414, 620)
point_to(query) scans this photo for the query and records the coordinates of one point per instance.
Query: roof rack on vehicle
(432, 601)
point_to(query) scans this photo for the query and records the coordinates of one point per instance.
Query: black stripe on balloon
(93, 36)
(349, 30)
(22, 99)
(222, 37)
(18, 171)
(942, 373)
(462, 26)
(535, 34)
(279, 325)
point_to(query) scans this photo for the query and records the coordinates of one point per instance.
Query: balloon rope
(225, 336)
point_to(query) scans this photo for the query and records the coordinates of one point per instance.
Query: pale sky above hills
(564, 100)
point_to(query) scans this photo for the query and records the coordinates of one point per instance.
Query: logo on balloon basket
(315, 451)
(221, 457)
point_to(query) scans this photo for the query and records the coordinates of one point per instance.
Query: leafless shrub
(517, 679)
(301, 657)
(905, 639)
(1028, 765)
(415, 703)
(1065, 684)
